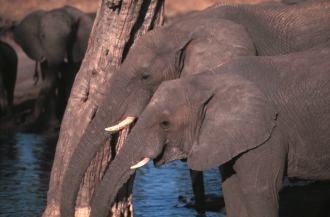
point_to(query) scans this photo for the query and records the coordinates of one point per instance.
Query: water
(25, 164)
(156, 191)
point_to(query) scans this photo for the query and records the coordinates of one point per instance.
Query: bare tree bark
(118, 23)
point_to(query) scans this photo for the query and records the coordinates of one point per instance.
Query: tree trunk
(118, 23)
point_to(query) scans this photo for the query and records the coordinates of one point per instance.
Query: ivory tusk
(126, 122)
(140, 164)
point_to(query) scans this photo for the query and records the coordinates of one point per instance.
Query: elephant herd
(56, 40)
(243, 88)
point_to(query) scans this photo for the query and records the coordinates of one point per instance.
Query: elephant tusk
(140, 164)
(42, 59)
(126, 122)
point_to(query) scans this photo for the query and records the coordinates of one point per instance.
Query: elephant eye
(145, 76)
(165, 124)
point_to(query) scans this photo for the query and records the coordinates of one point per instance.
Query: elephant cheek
(137, 101)
(169, 154)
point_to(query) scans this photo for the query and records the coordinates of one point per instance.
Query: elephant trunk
(120, 170)
(116, 176)
(82, 156)
(78, 164)
(108, 114)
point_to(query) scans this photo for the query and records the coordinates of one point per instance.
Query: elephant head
(26, 34)
(208, 119)
(54, 36)
(163, 54)
(168, 53)
(190, 45)
(241, 109)
(57, 40)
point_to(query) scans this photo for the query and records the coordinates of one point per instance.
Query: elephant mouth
(169, 154)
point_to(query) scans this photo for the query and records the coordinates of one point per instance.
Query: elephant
(258, 118)
(197, 42)
(8, 73)
(57, 41)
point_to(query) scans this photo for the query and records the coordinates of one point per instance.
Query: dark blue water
(156, 191)
(25, 164)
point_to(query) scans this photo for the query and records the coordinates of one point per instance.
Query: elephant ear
(26, 34)
(236, 119)
(82, 31)
(180, 54)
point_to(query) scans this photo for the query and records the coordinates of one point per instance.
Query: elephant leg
(3, 102)
(10, 95)
(36, 72)
(10, 88)
(46, 98)
(198, 189)
(3, 97)
(61, 98)
(68, 73)
(260, 174)
(233, 196)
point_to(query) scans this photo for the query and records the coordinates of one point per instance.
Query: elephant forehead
(170, 89)
(141, 57)
(57, 20)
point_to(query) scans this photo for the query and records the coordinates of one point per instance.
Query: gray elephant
(57, 41)
(202, 40)
(260, 118)
(8, 72)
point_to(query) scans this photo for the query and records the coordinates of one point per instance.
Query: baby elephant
(259, 118)
(57, 41)
(8, 72)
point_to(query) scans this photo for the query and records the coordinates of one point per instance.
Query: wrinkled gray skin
(8, 72)
(261, 118)
(199, 41)
(57, 41)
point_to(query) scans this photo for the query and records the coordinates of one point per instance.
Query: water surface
(25, 164)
